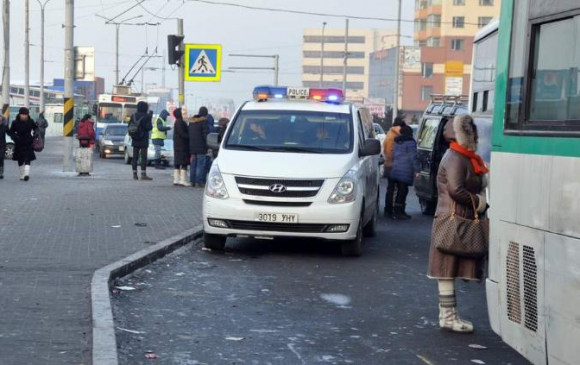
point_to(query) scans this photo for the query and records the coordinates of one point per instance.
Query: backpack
(134, 129)
(85, 133)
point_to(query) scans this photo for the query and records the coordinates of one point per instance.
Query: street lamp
(42, 6)
(322, 56)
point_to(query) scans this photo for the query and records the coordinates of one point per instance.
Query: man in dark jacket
(405, 166)
(42, 124)
(3, 130)
(140, 141)
(198, 131)
(159, 135)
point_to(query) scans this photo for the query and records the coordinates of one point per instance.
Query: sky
(237, 29)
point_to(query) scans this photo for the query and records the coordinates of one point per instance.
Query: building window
(427, 70)
(421, 4)
(459, 2)
(434, 42)
(420, 43)
(420, 25)
(482, 21)
(485, 2)
(426, 92)
(458, 22)
(334, 84)
(457, 44)
(434, 21)
(334, 70)
(554, 92)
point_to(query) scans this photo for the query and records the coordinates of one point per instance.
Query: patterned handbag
(459, 236)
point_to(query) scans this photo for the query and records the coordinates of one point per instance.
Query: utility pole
(69, 73)
(276, 67)
(117, 30)
(163, 72)
(27, 53)
(181, 69)
(6, 69)
(397, 65)
(345, 71)
(42, 6)
(322, 40)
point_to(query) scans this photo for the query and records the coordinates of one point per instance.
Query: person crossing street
(138, 129)
(159, 135)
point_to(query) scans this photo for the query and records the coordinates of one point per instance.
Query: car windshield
(118, 130)
(291, 131)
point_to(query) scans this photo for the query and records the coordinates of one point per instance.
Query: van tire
(427, 207)
(353, 247)
(214, 242)
(370, 230)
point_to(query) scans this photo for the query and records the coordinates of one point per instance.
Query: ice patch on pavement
(336, 299)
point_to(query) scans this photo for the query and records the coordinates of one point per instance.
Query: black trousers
(402, 192)
(139, 154)
(389, 198)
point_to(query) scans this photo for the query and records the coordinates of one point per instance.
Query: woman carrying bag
(22, 132)
(459, 238)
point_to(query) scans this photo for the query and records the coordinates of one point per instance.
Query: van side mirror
(372, 147)
(212, 141)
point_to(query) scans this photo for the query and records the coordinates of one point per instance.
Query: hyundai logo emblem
(277, 188)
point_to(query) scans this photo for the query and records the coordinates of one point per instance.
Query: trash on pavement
(478, 362)
(478, 347)
(115, 226)
(130, 331)
(126, 288)
(150, 356)
(140, 224)
(180, 274)
(206, 249)
(234, 338)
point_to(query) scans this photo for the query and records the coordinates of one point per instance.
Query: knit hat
(24, 111)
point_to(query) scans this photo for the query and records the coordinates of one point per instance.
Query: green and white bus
(533, 289)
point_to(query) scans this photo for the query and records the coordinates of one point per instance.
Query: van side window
(428, 133)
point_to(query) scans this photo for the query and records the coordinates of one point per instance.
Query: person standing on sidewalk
(388, 149)
(180, 149)
(198, 131)
(159, 135)
(42, 124)
(461, 180)
(139, 128)
(203, 111)
(22, 133)
(3, 130)
(405, 166)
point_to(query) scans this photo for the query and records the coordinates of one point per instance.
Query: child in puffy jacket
(405, 166)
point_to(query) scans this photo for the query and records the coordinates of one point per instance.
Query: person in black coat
(198, 131)
(141, 144)
(180, 149)
(3, 130)
(22, 133)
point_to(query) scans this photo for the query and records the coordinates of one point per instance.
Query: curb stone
(104, 341)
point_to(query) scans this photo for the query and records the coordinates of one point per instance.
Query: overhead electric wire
(302, 12)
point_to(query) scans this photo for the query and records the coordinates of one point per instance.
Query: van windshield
(291, 131)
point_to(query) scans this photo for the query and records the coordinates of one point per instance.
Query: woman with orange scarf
(461, 181)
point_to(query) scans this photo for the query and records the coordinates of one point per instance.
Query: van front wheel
(214, 242)
(354, 247)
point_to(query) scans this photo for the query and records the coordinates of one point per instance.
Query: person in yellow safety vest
(159, 135)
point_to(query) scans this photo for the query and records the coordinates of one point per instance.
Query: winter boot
(135, 176)
(144, 176)
(26, 172)
(404, 213)
(400, 213)
(449, 320)
(1, 172)
(159, 165)
(389, 212)
(21, 168)
(183, 178)
(176, 177)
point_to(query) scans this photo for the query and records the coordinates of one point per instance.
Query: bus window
(429, 133)
(129, 110)
(110, 113)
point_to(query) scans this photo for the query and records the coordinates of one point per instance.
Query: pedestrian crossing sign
(203, 62)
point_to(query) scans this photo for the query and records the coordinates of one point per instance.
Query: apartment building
(444, 31)
(361, 43)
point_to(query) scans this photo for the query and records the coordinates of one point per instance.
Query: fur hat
(465, 132)
(24, 111)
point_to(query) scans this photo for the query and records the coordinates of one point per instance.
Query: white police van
(294, 162)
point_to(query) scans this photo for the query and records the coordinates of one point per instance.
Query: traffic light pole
(181, 67)
(6, 70)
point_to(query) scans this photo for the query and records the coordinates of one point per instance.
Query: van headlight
(216, 187)
(345, 190)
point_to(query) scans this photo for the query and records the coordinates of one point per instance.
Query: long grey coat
(456, 180)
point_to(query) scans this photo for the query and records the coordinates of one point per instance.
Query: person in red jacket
(86, 132)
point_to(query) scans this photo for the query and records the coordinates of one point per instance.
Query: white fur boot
(26, 172)
(184, 181)
(176, 177)
(449, 320)
(21, 168)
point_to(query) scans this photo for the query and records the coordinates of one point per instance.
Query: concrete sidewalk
(56, 230)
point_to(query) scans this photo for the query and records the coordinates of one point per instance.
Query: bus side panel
(521, 290)
(562, 299)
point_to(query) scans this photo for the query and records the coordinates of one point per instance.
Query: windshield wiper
(298, 149)
(249, 147)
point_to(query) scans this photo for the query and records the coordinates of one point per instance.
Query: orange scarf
(476, 161)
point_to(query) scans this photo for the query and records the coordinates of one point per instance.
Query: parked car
(9, 148)
(111, 140)
(166, 151)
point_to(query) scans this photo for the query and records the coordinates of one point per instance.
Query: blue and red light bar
(265, 93)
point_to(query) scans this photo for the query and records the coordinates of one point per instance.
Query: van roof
(299, 105)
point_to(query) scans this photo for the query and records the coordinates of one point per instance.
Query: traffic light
(175, 55)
